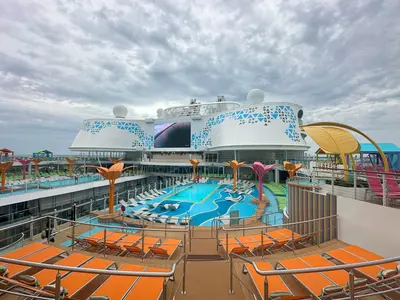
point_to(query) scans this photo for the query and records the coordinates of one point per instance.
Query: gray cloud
(62, 61)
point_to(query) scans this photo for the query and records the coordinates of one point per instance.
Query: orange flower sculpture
(235, 165)
(70, 162)
(3, 170)
(112, 174)
(36, 162)
(115, 160)
(194, 163)
(291, 168)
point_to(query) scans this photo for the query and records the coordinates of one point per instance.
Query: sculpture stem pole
(111, 199)
(260, 188)
(234, 177)
(3, 179)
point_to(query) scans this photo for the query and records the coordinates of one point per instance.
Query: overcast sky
(62, 61)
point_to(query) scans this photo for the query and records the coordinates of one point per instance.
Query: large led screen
(172, 135)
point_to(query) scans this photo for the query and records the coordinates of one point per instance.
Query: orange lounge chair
(166, 249)
(278, 236)
(253, 242)
(370, 256)
(298, 239)
(25, 251)
(115, 237)
(339, 277)
(116, 287)
(12, 283)
(47, 276)
(233, 246)
(79, 242)
(120, 246)
(75, 282)
(289, 234)
(345, 257)
(276, 286)
(147, 288)
(39, 256)
(316, 283)
(148, 242)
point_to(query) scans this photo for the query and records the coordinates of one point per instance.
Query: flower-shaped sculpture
(71, 162)
(3, 169)
(194, 163)
(235, 165)
(115, 160)
(112, 174)
(36, 162)
(260, 171)
(24, 163)
(291, 168)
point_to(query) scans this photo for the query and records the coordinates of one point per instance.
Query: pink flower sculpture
(260, 171)
(24, 163)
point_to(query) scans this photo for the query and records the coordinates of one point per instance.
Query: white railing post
(55, 220)
(385, 191)
(333, 182)
(31, 229)
(355, 184)
(91, 205)
(351, 284)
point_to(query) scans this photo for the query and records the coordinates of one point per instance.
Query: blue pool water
(194, 192)
(204, 202)
(275, 217)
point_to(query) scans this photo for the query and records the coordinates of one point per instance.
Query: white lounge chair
(161, 192)
(151, 192)
(148, 195)
(142, 197)
(237, 199)
(156, 193)
(153, 205)
(132, 202)
(171, 206)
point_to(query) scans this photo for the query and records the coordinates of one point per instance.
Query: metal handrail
(273, 226)
(22, 223)
(350, 267)
(356, 171)
(318, 269)
(13, 243)
(94, 271)
(122, 227)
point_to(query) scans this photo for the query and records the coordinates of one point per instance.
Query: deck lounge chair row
(323, 284)
(42, 282)
(270, 242)
(128, 244)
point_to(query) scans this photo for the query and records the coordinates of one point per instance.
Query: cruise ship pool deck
(203, 202)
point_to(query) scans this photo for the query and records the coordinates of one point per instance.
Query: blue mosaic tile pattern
(249, 116)
(143, 139)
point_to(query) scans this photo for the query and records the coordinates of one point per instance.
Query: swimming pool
(202, 203)
(194, 193)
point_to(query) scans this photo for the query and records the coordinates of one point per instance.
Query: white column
(276, 171)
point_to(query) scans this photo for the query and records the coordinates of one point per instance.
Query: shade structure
(333, 140)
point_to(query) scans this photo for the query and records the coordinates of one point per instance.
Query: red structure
(24, 163)
(6, 152)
